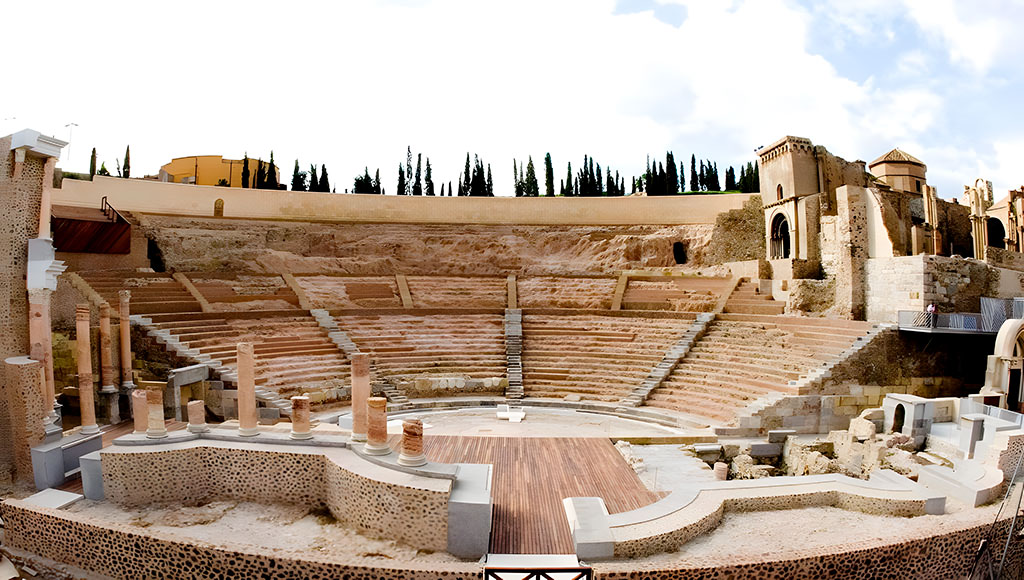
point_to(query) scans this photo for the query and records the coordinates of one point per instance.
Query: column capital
(124, 295)
(39, 295)
(82, 312)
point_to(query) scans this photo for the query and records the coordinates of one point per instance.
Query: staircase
(396, 397)
(747, 299)
(514, 353)
(668, 362)
(744, 358)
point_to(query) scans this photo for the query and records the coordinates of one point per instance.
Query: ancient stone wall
(738, 235)
(1008, 259)
(203, 245)
(409, 510)
(117, 550)
(19, 222)
(913, 282)
(848, 251)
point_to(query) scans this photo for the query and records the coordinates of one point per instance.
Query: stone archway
(1001, 378)
(679, 252)
(780, 239)
(899, 417)
(996, 233)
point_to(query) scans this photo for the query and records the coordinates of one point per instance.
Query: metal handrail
(581, 573)
(110, 211)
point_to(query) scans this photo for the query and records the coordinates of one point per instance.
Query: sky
(351, 84)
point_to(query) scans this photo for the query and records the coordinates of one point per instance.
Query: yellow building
(210, 170)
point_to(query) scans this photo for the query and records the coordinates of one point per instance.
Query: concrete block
(765, 449)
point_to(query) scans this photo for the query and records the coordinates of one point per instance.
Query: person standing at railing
(931, 314)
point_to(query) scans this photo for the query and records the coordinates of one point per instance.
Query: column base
(376, 449)
(108, 389)
(53, 432)
(156, 434)
(127, 385)
(412, 460)
(204, 428)
(302, 436)
(248, 431)
(358, 438)
(90, 429)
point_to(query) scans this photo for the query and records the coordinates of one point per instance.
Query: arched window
(778, 190)
(218, 208)
(780, 237)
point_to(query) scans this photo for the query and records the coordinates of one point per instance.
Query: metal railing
(953, 322)
(574, 573)
(108, 210)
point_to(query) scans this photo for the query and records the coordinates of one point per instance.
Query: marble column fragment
(86, 397)
(156, 429)
(197, 417)
(140, 411)
(360, 393)
(41, 343)
(412, 444)
(125, 330)
(300, 418)
(248, 416)
(376, 426)
(106, 356)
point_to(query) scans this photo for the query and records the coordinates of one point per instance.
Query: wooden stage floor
(531, 477)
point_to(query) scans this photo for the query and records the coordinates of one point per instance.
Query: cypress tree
(713, 183)
(127, 162)
(694, 178)
(633, 181)
(245, 170)
(702, 179)
(549, 176)
(442, 189)
(400, 188)
(531, 189)
(478, 183)
(561, 187)
(449, 189)
(490, 182)
(467, 177)
(92, 163)
(429, 180)
(519, 182)
(598, 186)
(568, 180)
(671, 176)
(314, 182)
(271, 173)
(408, 170)
(298, 178)
(417, 186)
(376, 182)
(261, 174)
(325, 184)
(730, 179)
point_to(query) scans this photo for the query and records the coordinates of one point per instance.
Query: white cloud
(973, 37)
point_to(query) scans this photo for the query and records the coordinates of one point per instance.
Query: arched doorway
(780, 237)
(996, 233)
(899, 416)
(218, 208)
(679, 252)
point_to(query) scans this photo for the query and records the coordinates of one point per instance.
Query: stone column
(376, 426)
(140, 411)
(155, 428)
(247, 414)
(106, 356)
(300, 418)
(125, 329)
(41, 344)
(412, 444)
(25, 412)
(197, 417)
(360, 393)
(86, 397)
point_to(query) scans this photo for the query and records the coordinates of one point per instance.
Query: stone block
(779, 435)
(269, 415)
(765, 450)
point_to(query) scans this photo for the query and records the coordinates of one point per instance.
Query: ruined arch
(780, 245)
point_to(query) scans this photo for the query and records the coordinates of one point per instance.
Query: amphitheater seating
(351, 291)
(458, 291)
(407, 345)
(746, 299)
(566, 292)
(678, 293)
(744, 356)
(291, 351)
(152, 292)
(243, 292)
(597, 357)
